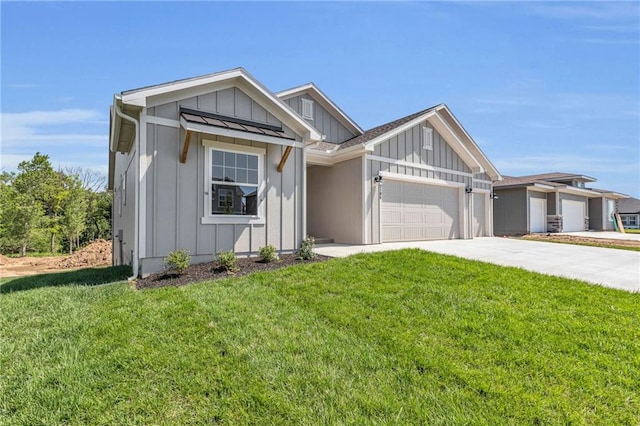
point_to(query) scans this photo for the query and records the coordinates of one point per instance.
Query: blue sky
(541, 86)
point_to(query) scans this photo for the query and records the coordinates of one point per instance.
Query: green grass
(632, 231)
(405, 337)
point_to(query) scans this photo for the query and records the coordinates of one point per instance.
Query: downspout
(136, 232)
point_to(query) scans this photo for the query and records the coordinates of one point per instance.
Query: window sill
(234, 220)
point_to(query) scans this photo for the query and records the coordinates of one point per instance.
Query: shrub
(228, 261)
(268, 253)
(306, 249)
(178, 260)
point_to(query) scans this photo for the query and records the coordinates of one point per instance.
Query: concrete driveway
(613, 268)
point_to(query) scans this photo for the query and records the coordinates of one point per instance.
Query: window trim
(307, 103)
(207, 217)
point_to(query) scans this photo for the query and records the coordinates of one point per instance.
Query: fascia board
(579, 191)
(139, 97)
(239, 78)
(326, 103)
(370, 145)
(459, 147)
(491, 168)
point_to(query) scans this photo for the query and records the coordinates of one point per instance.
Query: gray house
(629, 210)
(552, 202)
(219, 162)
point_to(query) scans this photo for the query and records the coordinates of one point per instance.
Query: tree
(75, 211)
(42, 185)
(92, 180)
(98, 223)
(20, 218)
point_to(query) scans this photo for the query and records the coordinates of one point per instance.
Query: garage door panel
(573, 215)
(413, 211)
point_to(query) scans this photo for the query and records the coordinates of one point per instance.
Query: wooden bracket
(284, 159)
(185, 146)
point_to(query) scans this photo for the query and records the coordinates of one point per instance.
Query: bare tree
(92, 180)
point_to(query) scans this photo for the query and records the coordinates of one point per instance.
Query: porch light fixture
(493, 196)
(468, 190)
(377, 178)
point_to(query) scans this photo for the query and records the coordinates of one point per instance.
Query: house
(629, 210)
(552, 202)
(219, 162)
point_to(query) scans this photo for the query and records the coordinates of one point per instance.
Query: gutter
(136, 233)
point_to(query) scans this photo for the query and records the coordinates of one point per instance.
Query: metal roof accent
(232, 123)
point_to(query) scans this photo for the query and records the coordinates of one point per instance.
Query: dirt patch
(211, 271)
(96, 254)
(602, 242)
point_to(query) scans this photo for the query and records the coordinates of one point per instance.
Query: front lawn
(404, 337)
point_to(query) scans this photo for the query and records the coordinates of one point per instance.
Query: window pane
(234, 200)
(253, 162)
(241, 160)
(252, 177)
(217, 173)
(241, 176)
(229, 159)
(250, 200)
(217, 158)
(229, 174)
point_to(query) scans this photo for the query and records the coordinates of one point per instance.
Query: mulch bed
(212, 271)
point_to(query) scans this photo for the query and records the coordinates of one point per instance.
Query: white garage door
(479, 214)
(537, 215)
(573, 214)
(413, 211)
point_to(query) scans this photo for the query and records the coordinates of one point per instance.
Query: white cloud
(595, 10)
(52, 128)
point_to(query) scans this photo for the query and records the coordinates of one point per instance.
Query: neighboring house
(629, 210)
(219, 162)
(552, 202)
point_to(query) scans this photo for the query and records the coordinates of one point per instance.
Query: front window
(235, 182)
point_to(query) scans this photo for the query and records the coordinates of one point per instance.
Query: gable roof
(179, 89)
(445, 123)
(629, 206)
(555, 176)
(524, 181)
(317, 94)
(375, 132)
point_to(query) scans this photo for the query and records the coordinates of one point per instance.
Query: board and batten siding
(334, 200)
(175, 192)
(123, 208)
(482, 177)
(510, 211)
(324, 121)
(231, 102)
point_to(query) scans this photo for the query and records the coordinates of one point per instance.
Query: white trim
(365, 174)
(143, 167)
(416, 165)
(462, 150)
(152, 119)
(208, 218)
(388, 135)
(475, 145)
(486, 182)
(418, 179)
(327, 103)
(233, 78)
(237, 134)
